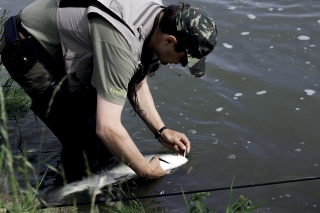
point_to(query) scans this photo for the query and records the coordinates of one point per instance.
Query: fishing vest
(134, 19)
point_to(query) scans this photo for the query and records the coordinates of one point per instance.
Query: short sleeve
(113, 63)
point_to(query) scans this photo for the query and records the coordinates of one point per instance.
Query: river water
(254, 116)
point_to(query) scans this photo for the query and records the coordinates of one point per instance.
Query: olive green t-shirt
(39, 19)
(113, 64)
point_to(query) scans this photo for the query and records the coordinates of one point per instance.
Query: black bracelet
(158, 133)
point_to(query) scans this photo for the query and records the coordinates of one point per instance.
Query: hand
(155, 169)
(176, 141)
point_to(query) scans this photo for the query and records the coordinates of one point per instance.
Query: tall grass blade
(229, 198)
(185, 200)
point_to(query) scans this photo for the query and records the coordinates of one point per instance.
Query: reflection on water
(255, 115)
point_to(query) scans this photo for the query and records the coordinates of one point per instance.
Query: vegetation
(196, 204)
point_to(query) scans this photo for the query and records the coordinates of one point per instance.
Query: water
(255, 115)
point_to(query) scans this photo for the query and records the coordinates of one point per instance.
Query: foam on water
(219, 109)
(238, 94)
(303, 38)
(228, 46)
(192, 132)
(245, 33)
(310, 92)
(270, 9)
(319, 21)
(232, 8)
(232, 157)
(261, 92)
(251, 16)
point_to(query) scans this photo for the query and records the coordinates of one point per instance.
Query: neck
(152, 40)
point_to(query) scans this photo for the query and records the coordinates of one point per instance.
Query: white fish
(118, 173)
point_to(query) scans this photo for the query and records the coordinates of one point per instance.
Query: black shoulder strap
(94, 3)
(75, 3)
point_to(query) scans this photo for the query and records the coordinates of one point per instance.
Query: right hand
(155, 170)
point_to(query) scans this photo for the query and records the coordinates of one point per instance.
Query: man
(108, 47)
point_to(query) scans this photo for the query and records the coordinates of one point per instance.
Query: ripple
(192, 132)
(232, 157)
(215, 142)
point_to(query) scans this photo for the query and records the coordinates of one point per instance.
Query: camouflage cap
(198, 34)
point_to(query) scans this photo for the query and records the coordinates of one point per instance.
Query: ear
(169, 39)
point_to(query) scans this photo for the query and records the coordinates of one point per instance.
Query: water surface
(255, 115)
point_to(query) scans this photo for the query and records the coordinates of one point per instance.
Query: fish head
(170, 161)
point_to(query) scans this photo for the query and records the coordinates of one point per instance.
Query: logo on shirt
(118, 92)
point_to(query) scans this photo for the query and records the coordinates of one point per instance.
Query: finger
(154, 160)
(176, 149)
(187, 143)
(158, 171)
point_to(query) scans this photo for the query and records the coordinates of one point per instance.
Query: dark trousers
(71, 116)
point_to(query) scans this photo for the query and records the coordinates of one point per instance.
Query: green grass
(197, 203)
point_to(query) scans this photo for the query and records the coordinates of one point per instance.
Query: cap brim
(197, 67)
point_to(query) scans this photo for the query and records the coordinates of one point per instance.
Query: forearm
(111, 131)
(119, 143)
(169, 138)
(145, 103)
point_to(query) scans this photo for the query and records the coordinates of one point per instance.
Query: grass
(18, 197)
(197, 203)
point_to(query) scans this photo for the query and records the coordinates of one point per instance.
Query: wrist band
(158, 133)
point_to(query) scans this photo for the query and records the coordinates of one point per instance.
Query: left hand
(175, 140)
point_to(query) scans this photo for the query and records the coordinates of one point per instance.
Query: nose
(184, 62)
